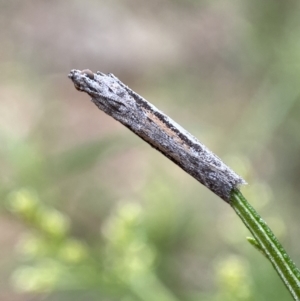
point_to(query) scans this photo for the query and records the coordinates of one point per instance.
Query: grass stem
(267, 243)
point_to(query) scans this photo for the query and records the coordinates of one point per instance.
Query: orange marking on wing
(166, 129)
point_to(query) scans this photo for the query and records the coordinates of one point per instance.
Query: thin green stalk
(265, 241)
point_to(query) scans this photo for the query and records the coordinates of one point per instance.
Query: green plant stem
(267, 243)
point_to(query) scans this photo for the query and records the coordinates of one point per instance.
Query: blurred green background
(91, 212)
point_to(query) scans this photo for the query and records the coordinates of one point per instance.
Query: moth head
(88, 73)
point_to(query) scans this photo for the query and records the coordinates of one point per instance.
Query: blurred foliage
(90, 212)
(125, 266)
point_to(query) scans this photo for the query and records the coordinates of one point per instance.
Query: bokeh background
(91, 212)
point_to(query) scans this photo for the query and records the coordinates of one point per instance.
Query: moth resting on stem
(117, 100)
